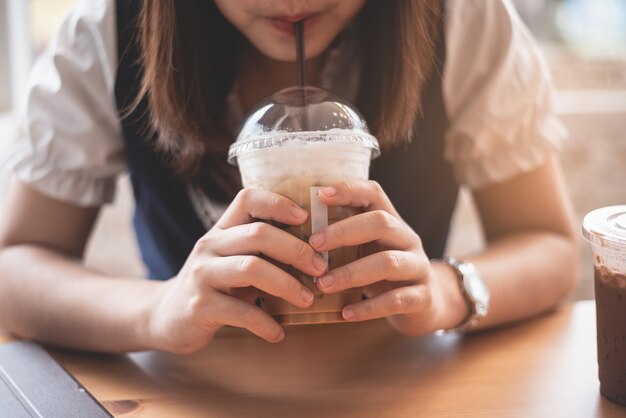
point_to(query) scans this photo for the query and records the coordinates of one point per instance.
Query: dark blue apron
(415, 176)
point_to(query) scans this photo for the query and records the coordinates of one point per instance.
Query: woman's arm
(46, 294)
(531, 260)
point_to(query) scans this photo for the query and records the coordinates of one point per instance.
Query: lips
(284, 24)
(292, 19)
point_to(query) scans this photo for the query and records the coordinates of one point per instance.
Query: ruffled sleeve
(497, 93)
(71, 146)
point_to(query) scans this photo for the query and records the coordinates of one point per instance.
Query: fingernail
(348, 314)
(280, 336)
(317, 240)
(328, 191)
(326, 281)
(319, 263)
(306, 296)
(298, 213)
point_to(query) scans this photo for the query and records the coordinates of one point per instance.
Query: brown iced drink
(605, 229)
(293, 146)
(610, 289)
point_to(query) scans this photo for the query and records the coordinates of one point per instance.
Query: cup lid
(606, 227)
(302, 115)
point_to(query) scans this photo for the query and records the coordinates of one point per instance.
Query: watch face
(474, 284)
(476, 287)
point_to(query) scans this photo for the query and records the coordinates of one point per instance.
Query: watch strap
(474, 312)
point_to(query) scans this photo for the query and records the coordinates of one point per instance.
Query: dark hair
(189, 59)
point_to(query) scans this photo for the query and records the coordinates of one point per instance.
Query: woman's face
(268, 24)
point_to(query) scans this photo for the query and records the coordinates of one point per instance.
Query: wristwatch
(474, 291)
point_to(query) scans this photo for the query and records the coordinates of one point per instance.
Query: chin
(285, 53)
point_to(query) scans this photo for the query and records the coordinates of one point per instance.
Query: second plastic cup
(605, 229)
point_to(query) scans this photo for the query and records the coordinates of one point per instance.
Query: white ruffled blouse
(496, 90)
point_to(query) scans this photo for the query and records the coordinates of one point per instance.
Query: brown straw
(299, 30)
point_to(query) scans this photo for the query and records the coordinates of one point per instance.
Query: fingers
(225, 273)
(358, 193)
(261, 238)
(251, 204)
(385, 265)
(398, 301)
(227, 310)
(378, 225)
(247, 294)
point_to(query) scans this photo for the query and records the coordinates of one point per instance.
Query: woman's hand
(397, 276)
(218, 283)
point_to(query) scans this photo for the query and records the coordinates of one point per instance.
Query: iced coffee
(605, 229)
(610, 289)
(293, 150)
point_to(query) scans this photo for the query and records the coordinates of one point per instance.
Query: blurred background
(584, 42)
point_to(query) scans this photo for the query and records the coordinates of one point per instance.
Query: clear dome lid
(606, 227)
(302, 114)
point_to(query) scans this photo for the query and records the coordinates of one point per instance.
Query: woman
(455, 92)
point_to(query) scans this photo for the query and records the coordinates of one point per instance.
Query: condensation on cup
(292, 143)
(605, 229)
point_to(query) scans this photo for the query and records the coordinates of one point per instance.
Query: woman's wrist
(453, 306)
(146, 312)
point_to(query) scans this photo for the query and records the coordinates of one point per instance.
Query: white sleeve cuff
(504, 159)
(77, 187)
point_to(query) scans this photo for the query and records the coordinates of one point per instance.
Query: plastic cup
(605, 229)
(293, 147)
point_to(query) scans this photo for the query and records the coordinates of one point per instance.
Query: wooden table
(541, 368)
